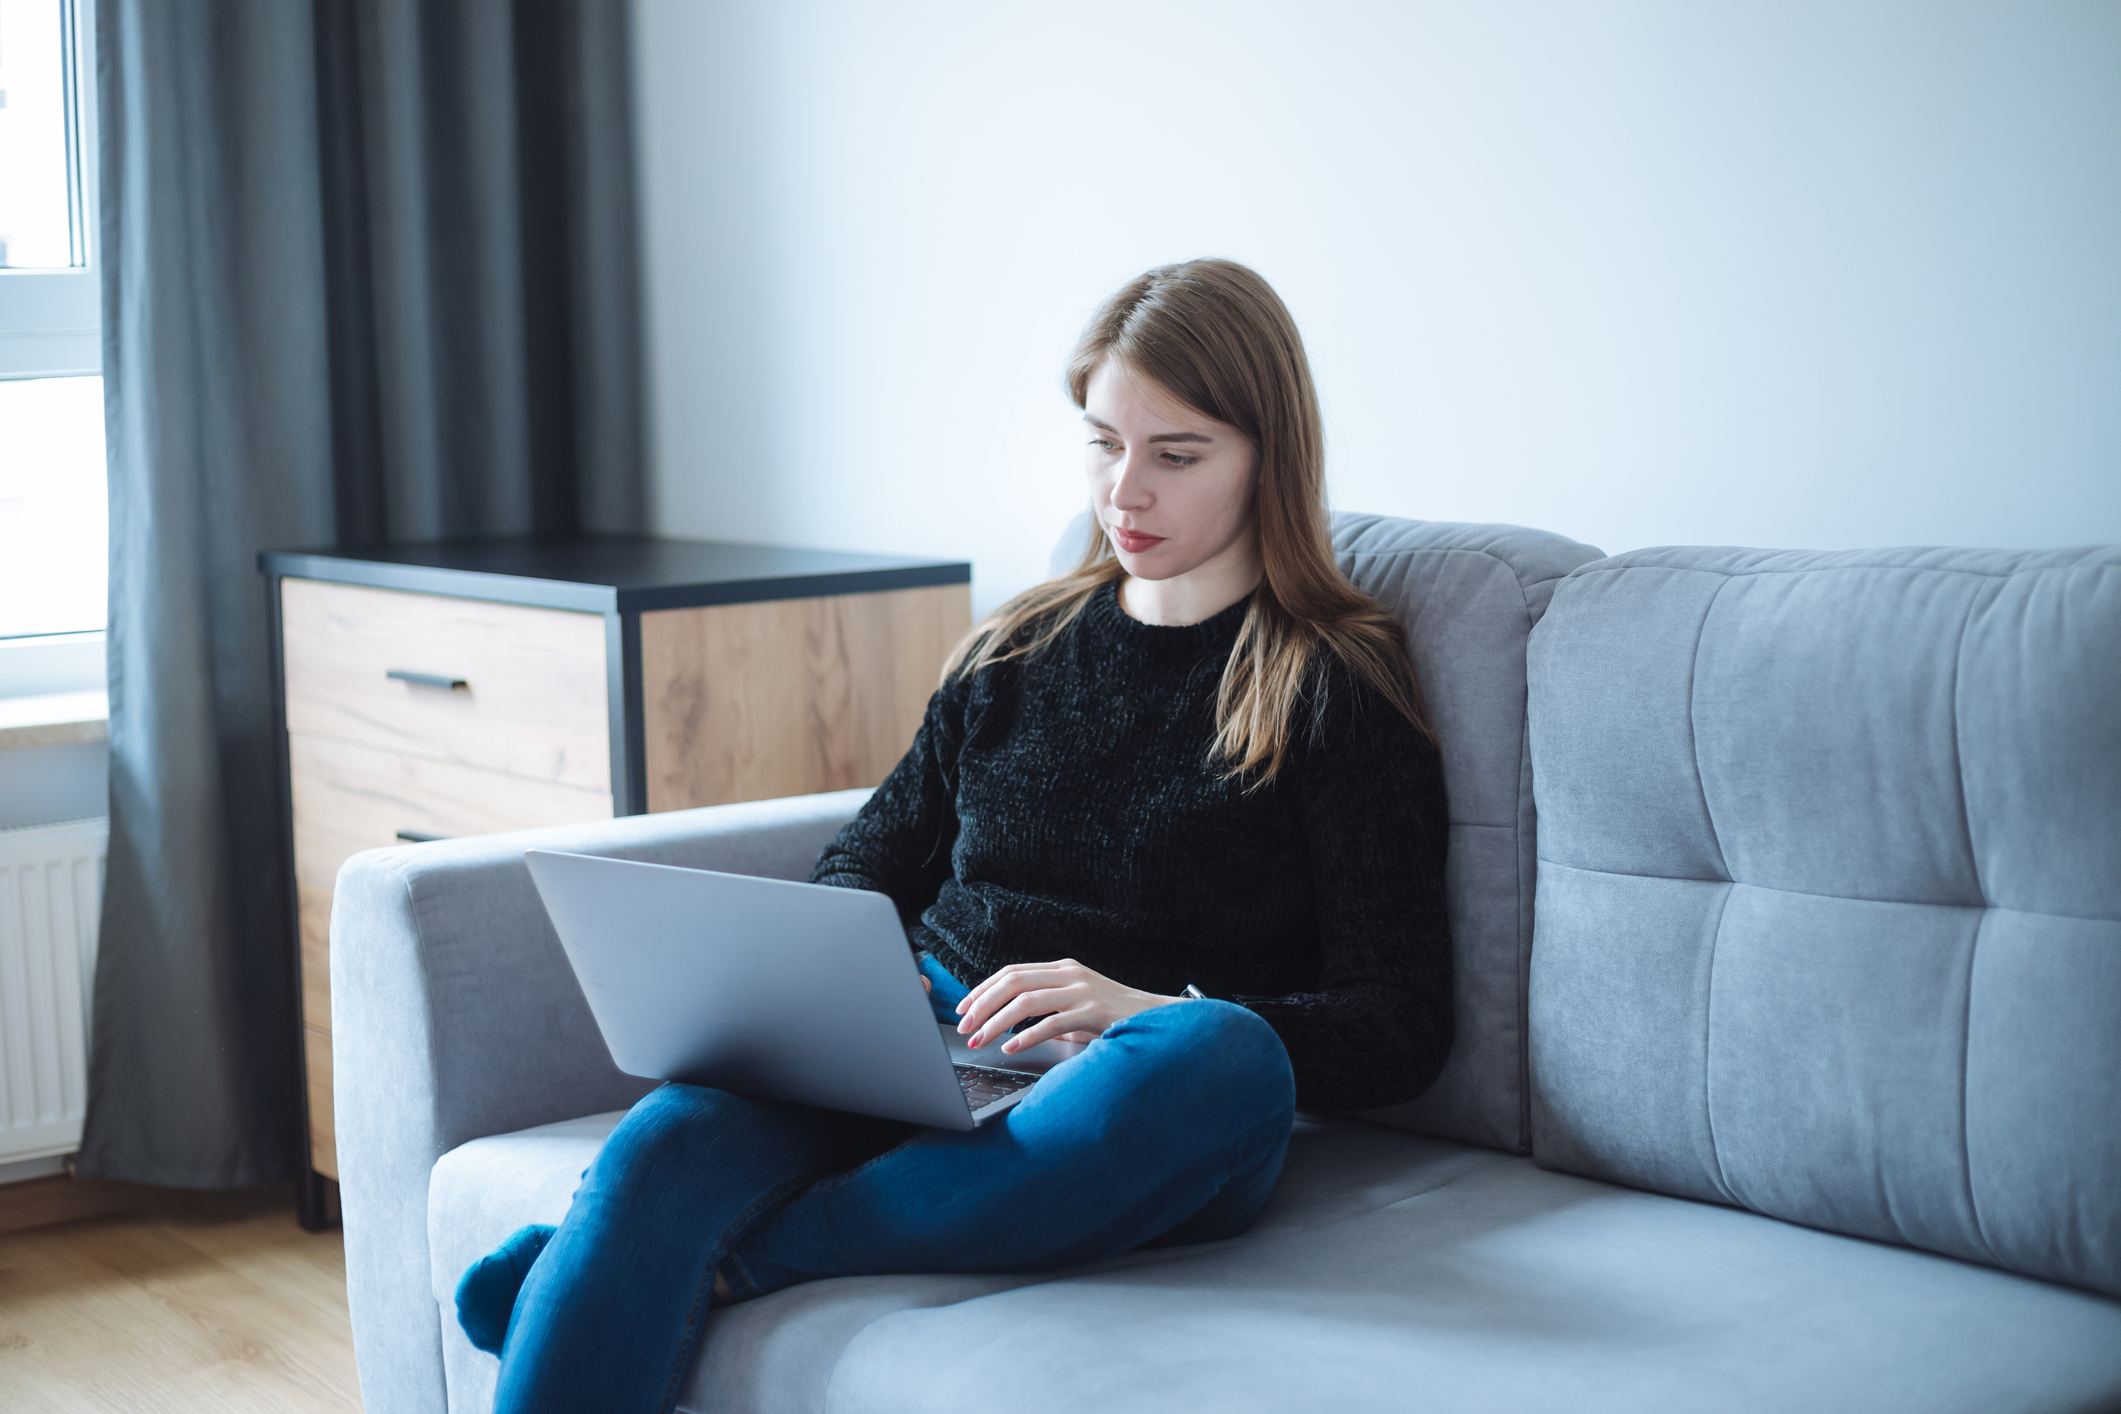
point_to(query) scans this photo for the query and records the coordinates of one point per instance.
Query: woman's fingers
(984, 1001)
(1004, 1016)
(1065, 966)
(1022, 1006)
(1051, 1026)
(984, 989)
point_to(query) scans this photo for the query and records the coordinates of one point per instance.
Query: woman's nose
(1127, 485)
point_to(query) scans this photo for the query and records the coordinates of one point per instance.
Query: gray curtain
(368, 273)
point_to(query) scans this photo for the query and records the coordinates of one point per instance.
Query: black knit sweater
(1062, 806)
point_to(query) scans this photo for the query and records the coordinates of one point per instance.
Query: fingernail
(973, 1043)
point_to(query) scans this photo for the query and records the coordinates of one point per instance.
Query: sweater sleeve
(1377, 1027)
(899, 843)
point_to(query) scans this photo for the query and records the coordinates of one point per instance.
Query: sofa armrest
(455, 1014)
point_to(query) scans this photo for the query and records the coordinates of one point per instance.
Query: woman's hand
(1078, 1004)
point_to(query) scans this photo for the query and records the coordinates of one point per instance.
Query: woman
(1198, 757)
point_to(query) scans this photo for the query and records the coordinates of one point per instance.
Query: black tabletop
(596, 572)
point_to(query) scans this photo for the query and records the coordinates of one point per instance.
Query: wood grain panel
(323, 1140)
(535, 701)
(190, 1301)
(790, 696)
(349, 797)
(313, 917)
(30, 1203)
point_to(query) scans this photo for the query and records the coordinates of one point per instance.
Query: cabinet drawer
(349, 797)
(530, 693)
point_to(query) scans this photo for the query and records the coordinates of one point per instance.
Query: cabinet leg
(316, 1201)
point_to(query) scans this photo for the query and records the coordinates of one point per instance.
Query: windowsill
(54, 719)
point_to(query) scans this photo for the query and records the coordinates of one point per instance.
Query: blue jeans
(1168, 1129)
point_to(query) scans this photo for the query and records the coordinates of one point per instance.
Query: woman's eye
(1177, 459)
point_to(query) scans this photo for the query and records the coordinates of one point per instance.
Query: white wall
(1793, 274)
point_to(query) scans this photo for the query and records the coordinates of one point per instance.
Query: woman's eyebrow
(1159, 437)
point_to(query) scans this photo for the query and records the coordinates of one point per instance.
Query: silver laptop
(773, 989)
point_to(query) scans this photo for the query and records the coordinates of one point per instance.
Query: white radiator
(51, 899)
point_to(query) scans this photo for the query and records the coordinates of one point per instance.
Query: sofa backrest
(1828, 918)
(1468, 596)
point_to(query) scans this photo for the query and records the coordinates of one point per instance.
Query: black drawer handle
(425, 679)
(420, 836)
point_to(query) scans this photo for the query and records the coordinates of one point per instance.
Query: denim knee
(676, 1124)
(1230, 1050)
(671, 1115)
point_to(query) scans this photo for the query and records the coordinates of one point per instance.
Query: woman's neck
(1186, 599)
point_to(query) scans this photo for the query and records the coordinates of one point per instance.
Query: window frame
(50, 320)
(51, 326)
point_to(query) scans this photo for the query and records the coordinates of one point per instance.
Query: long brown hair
(1214, 335)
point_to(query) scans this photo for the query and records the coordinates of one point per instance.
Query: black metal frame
(316, 1197)
(754, 572)
(629, 754)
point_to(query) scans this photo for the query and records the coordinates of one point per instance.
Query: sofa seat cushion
(1388, 1271)
(778, 1352)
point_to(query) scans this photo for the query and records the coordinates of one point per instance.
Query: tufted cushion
(1468, 596)
(1829, 891)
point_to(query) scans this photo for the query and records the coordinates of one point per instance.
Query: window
(54, 535)
(54, 538)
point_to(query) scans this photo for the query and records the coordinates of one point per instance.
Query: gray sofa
(1788, 1071)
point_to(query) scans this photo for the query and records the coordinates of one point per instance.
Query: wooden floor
(197, 1301)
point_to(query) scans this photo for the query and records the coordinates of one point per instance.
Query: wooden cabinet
(462, 687)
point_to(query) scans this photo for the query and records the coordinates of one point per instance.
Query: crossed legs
(1170, 1128)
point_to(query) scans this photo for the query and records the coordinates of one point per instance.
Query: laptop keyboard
(984, 1085)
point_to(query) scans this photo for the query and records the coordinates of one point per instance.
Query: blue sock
(486, 1293)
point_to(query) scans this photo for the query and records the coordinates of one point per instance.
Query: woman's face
(1157, 466)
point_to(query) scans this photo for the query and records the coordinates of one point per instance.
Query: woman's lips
(1135, 544)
